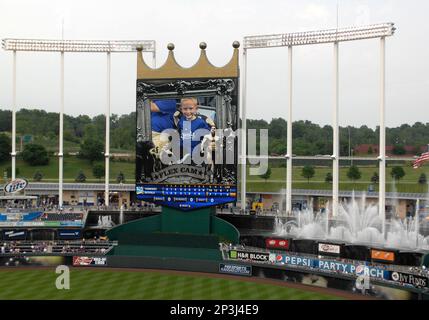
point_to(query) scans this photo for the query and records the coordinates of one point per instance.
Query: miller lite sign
(15, 186)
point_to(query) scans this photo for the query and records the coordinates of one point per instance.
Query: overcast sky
(188, 22)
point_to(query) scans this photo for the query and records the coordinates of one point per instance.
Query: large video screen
(186, 144)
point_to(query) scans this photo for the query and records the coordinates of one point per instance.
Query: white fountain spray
(357, 222)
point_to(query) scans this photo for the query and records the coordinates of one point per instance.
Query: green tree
(81, 177)
(35, 155)
(5, 147)
(354, 173)
(276, 146)
(370, 151)
(266, 175)
(397, 173)
(308, 172)
(38, 176)
(328, 178)
(91, 150)
(5, 120)
(375, 178)
(120, 178)
(98, 171)
(423, 179)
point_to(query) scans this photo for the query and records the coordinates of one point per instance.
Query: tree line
(353, 173)
(308, 138)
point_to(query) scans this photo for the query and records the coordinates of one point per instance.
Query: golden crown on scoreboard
(202, 69)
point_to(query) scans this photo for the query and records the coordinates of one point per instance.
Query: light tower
(72, 46)
(334, 36)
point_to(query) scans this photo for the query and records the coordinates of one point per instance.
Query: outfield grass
(72, 166)
(106, 284)
(277, 180)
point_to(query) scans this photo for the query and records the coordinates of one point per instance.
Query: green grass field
(72, 166)
(90, 284)
(276, 182)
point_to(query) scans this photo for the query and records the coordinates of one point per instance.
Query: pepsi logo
(360, 269)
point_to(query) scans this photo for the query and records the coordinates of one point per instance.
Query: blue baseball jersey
(163, 120)
(187, 130)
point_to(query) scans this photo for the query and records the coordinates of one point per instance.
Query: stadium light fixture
(78, 45)
(321, 36)
(62, 46)
(335, 36)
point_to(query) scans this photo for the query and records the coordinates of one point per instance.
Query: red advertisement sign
(89, 261)
(277, 243)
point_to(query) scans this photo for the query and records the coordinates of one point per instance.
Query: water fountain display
(357, 222)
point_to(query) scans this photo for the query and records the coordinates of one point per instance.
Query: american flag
(420, 160)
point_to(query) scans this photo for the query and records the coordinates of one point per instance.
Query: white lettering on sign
(409, 279)
(292, 260)
(15, 186)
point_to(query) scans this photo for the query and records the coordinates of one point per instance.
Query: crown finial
(201, 69)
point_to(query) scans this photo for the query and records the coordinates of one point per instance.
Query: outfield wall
(282, 273)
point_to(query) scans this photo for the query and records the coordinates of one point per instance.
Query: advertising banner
(295, 260)
(328, 265)
(273, 243)
(77, 223)
(51, 224)
(15, 186)
(14, 234)
(317, 264)
(69, 234)
(235, 269)
(411, 279)
(249, 256)
(328, 248)
(22, 223)
(346, 268)
(380, 255)
(89, 261)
